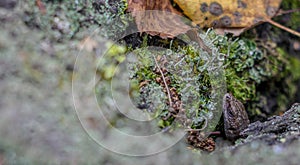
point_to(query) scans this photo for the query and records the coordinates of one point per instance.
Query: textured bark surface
(276, 130)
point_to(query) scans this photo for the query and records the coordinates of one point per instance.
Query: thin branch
(165, 82)
(282, 12)
(283, 27)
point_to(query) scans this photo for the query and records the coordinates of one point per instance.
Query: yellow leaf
(229, 13)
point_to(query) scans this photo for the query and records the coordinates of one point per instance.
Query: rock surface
(276, 130)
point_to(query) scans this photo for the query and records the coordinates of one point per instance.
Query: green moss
(295, 66)
(289, 80)
(260, 73)
(108, 64)
(294, 20)
(244, 66)
(179, 64)
(247, 66)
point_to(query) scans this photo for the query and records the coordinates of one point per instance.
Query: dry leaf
(229, 15)
(157, 17)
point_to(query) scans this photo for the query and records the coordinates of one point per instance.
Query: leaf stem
(283, 27)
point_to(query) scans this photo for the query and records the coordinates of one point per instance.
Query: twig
(283, 27)
(165, 82)
(282, 12)
(182, 58)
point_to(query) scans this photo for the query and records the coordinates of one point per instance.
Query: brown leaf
(157, 17)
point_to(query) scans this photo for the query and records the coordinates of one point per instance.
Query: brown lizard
(235, 117)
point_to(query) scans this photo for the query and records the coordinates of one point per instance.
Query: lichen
(248, 66)
(187, 79)
(64, 19)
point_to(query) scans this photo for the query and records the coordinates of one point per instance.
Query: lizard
(235, 117)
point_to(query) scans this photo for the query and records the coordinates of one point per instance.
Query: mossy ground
(38, 124)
